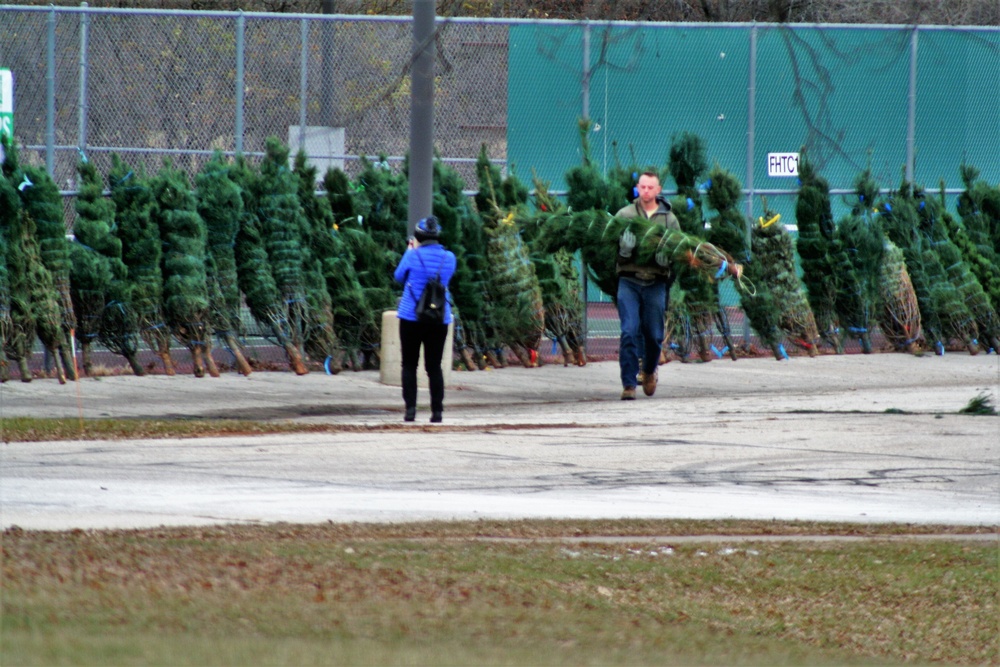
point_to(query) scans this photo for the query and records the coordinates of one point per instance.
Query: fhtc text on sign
(782, 164)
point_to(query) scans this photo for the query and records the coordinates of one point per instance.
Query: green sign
(6, 104)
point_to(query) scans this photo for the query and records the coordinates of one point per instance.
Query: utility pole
(422, 112)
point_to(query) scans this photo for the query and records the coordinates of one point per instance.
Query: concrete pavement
(845, 438)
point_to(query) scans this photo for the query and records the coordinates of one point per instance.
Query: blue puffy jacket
(416, 267)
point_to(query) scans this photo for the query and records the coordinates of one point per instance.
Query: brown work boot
(649, 383)
(628, 394)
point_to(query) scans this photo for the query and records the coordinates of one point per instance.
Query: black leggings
(432, 336)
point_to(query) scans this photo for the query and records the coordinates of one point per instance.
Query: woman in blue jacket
(424, 258)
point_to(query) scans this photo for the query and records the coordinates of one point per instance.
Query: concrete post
(391, 361)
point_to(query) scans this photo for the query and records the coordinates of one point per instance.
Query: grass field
(491, 593)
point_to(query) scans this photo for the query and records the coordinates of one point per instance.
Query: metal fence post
(238, 130)
(911, 123)
(303, 81)
(84, 29)
(585, 99)
(50, 95)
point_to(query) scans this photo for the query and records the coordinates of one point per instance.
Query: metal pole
(422, 112)
(240, 30)
(585, 88)
(751, 147)
(303, 82)
(327, 109)
(751, 122)
(84, 29)
(911, 123)
(50, 95)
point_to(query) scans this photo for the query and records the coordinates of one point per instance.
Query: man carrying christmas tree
(642, 291)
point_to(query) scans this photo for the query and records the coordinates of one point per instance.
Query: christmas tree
(99, 276)
(354, 320)
(859, 244)
(972, 234)
(515, 298)
(943, 313)
(220, 205)
(5, 322)
(35, 307)
(937, 222)
(253, 269)
(772, 271)
(727, 229)
(558, 280)
(15, 311)
(815, 245)
(456, 215)
(320, 337)
(185, 288)
(142, 251)
(41, 200)
(280, 217)
(899, 314)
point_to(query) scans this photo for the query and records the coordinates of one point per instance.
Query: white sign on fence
(780, 165)
(6, 105)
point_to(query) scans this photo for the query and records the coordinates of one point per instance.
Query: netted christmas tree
(41, 200)
(815, 245)
(515, 298)
(5, 323)
(456, 215)
(936, 222)
(691, 319)
(376, 237)
(185, 289)
(35, 304)
(772, 271)
(899, 311)
(142, 251)
(944, 315)
(726, 229)
(99, 277)
(558, 280)
(356, 323)
(280, 216)
(253, 269)
(220, 205)
(972, 234)
(16, 325)
(857, 253)
(320, 337)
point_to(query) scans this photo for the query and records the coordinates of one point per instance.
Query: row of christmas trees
(165, 258)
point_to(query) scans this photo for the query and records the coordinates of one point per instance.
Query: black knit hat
(427, 229)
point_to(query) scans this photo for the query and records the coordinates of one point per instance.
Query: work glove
(626, 243)
(663, 257)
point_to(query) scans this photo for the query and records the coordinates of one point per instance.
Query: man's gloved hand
(735, 270)
(626, 243)
(663, 257)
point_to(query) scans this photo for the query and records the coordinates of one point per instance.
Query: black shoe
(435, 417)
(411, 414)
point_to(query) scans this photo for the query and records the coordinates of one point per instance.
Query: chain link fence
(152, 85)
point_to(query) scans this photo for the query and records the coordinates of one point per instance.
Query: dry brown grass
(440, 593)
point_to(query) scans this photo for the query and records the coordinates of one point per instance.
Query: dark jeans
(641, 309)
(432, 336)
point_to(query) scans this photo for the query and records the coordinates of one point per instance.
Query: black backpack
(431, 304)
